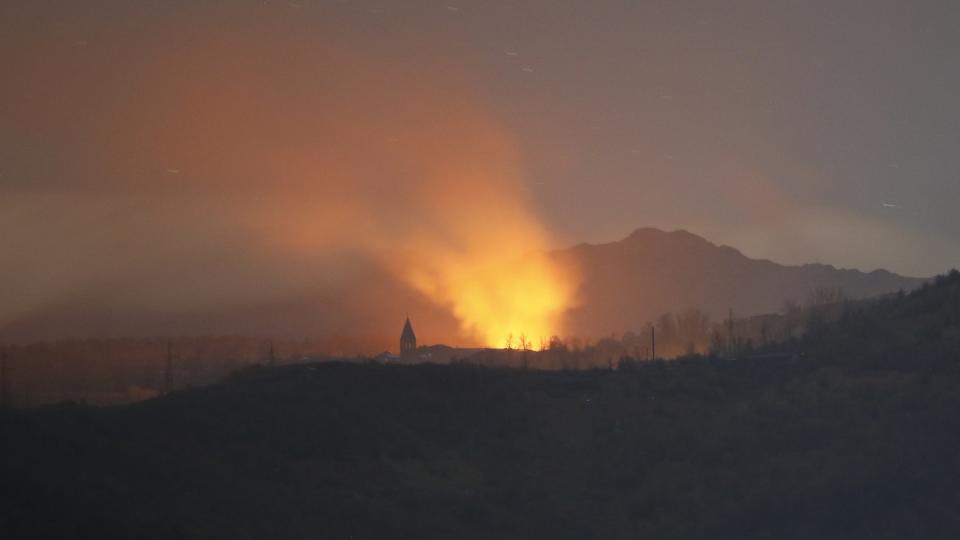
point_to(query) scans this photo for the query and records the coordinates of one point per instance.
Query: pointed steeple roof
(407, 331)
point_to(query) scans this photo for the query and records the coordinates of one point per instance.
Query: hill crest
(626, 283)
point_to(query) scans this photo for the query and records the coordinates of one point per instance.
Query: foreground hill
(856, 439)
(651, 272)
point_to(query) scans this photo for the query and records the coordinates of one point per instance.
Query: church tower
(408, 340)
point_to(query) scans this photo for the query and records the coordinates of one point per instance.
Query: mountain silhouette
(627, 283)
(623, 286)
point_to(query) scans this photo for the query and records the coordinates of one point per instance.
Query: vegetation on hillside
(855, 439)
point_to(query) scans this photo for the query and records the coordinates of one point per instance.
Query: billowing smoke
(180, 167)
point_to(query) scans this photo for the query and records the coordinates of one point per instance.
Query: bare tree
(692, 328)
(823, 304)
(666, 335)
(825, 296)
(792, 315)
(557, 344)
(524, 343)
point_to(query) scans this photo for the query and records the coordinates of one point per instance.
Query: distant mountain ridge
(626, 283)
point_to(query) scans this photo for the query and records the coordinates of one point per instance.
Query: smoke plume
(213, 166)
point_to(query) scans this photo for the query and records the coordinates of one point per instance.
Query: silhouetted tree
(522, 342)
(692, 328)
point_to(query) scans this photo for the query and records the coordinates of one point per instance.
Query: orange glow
(279, 180)
(495, 286)
(507, 300)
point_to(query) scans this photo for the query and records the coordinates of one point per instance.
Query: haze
(165, 164)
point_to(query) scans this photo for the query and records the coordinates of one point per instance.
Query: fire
(350, 158)
(498, 292)
(512, 299)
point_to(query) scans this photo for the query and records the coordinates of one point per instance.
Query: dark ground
(858, 439)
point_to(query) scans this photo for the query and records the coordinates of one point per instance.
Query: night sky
(797, 131)
(187, 136)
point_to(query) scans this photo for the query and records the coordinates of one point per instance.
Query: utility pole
(168, 372)
(730, 333)
(5, 398)
(653, 342)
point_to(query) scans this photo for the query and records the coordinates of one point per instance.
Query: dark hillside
(904, 331)
(627, 283)
(857, 439)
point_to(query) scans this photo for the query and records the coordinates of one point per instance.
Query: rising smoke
(165, 165)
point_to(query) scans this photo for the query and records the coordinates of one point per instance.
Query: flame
(498, 290)
(511, 299)
(275, 177)
(477, 248)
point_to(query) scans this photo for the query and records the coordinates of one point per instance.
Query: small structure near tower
(408, 341)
